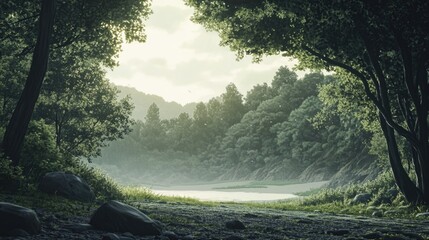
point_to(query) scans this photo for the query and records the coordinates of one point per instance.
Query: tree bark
(18, 124)
(403, 181)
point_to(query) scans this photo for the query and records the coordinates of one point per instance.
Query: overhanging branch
(389, 120)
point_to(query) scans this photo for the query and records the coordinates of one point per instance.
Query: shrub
(10, 176)
(104, 187)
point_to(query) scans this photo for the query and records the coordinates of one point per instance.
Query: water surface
(220, 191)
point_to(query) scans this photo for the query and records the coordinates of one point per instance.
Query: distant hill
(142, 101)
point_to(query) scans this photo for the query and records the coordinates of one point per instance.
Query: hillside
(142, 101)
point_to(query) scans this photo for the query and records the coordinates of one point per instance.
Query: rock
(16, 217)
(423, 214)
(115, 216)
(235, 224)
(170, 235)
(361, 198)
(66, 185)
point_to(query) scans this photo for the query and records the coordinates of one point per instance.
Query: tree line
(274, 132)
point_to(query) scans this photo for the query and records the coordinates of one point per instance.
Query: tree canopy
(381, 44)
(89, 31)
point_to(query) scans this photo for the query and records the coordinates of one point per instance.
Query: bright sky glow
(182, 62)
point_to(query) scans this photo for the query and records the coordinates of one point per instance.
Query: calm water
(224, 192)
(226, 196)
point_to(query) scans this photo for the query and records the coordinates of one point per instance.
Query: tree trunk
(403, 181)
(14, 135)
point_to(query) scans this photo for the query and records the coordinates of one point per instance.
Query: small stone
(235, 224)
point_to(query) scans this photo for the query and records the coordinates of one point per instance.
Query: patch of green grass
(141, 194)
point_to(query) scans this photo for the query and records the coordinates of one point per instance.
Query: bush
(104, 187)
(39, 154)
(10, 176)
(380, 189)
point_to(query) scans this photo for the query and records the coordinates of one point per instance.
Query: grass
(337, 201)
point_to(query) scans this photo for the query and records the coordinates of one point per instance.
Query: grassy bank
(338, 201)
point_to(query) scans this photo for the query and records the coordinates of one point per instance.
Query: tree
(18, 123)
(153, 132)
(94, 29)
(232, 105)
(82, 106)
(257, 95)
(382, 44)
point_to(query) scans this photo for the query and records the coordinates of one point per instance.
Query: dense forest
(289, 129)
(57, 107)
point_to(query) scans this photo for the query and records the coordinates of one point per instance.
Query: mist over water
(219, 196)
(231, 191)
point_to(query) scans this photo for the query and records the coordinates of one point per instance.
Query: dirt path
(188, 222)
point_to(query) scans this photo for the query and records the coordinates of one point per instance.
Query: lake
(244, 191)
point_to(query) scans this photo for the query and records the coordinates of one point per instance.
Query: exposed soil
(188, 222)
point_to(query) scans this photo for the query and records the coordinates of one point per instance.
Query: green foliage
(378, 188)
(82, 106)
(40, 154)
(229, 139)
(378, 47)
(104, 187)
(10, 176)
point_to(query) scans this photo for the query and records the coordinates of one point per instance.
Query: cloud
(183, 62)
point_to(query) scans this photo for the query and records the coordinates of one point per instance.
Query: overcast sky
(182, 62)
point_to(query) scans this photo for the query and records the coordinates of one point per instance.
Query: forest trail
(189, 222)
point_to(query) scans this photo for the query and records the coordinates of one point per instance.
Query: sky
(182, 62)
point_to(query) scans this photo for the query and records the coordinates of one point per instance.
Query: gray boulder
(67, 185)
(115, 216)
(16, 218)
